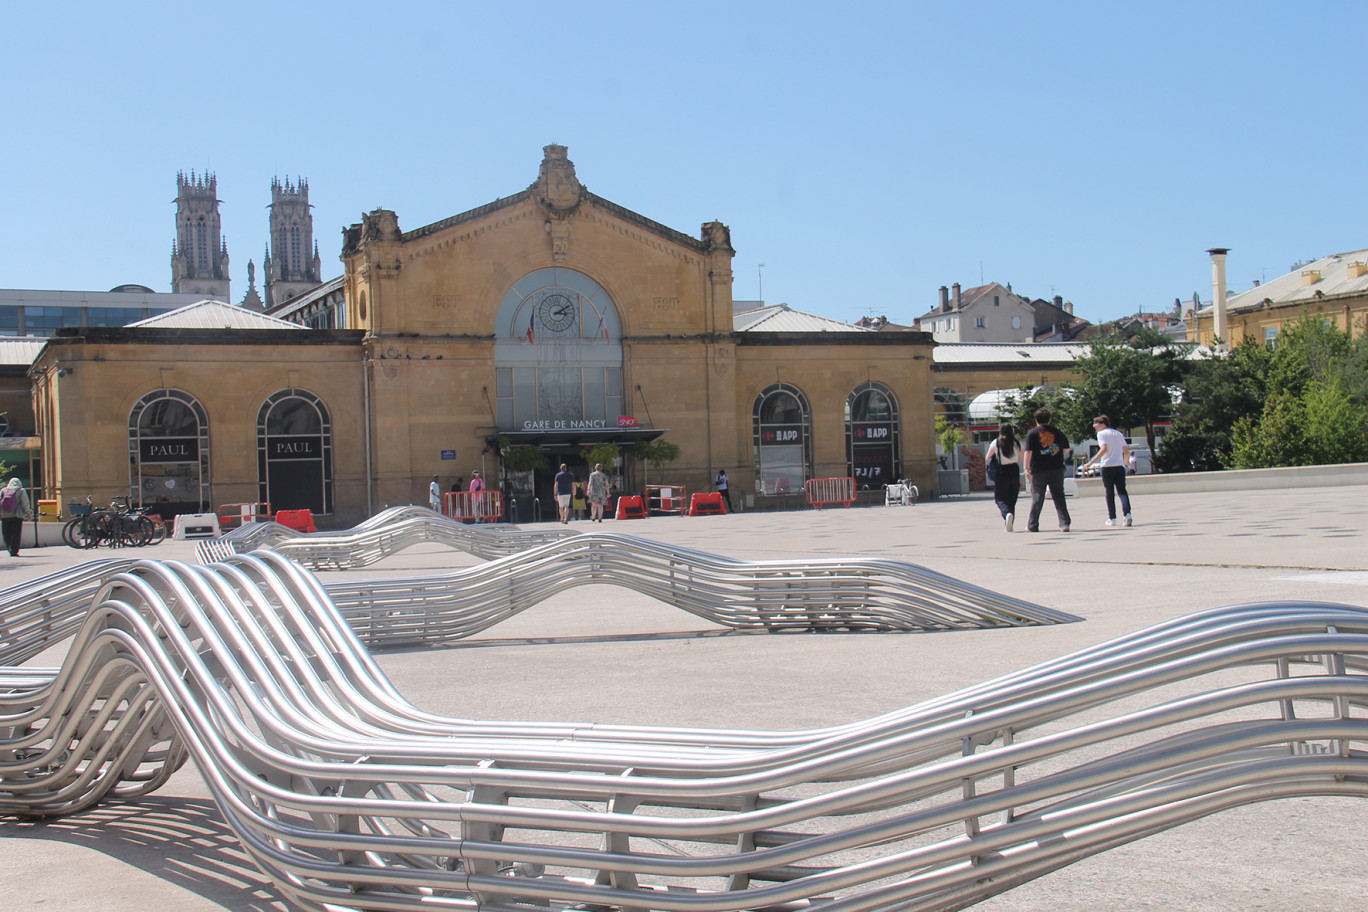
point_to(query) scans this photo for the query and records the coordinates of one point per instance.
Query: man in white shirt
(1113, 456)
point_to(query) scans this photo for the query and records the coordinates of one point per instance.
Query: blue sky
(866, 154)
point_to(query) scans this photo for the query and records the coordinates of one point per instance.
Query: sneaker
(1063, 528)
(1127, 521)
(1110, 522)
(1008, 521)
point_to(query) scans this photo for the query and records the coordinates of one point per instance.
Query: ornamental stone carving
(557, 189)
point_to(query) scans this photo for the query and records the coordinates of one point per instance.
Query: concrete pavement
(603, 654)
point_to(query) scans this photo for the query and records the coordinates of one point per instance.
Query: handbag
(992, 469)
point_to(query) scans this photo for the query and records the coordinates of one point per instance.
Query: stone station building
(551, 318)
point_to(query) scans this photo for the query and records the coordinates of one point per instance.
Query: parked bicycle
(118, 526)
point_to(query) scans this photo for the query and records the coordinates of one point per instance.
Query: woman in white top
(1008, 484)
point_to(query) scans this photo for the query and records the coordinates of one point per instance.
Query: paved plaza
(602, 654)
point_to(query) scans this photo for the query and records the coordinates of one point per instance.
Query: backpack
(9, 500)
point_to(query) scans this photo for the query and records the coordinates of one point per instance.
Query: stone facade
(199, 255)
(1333, 288)
(551, 318)
(292, 265)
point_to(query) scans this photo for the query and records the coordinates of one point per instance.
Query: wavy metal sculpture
(854, 594)
(348, 797)
(385, 533)
(831, 594)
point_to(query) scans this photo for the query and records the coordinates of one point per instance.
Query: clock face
(557, 312)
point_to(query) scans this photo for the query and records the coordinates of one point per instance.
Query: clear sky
(866, 154)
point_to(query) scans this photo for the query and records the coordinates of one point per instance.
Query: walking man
(435, 495)
(565, 489)
(14, 509)
(1044, 454)
(1113, 457)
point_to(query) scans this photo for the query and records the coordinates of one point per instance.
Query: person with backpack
(14, 509)
(1007, 481)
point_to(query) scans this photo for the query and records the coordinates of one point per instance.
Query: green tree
(1019, 407)
(1307, 351)
(948, 435)
(521, 458)
(1218, 391)
(1130, 380)
(659, 453)
(1321, 426)
(1352, 369)
(603, 454)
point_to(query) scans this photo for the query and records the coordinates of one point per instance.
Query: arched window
(872, 437)
(294, 452)
(557, 354)
(168, 451)
(783, 440)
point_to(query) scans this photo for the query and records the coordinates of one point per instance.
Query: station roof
(215, 315)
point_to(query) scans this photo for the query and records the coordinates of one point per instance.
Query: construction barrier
(299, 520)
(666, 499)
(481, 506)
(707, 504)
(823, 491)
(233, 515)
(630, 506)
(195, 525)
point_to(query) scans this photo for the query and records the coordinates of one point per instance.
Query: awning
(585, 437)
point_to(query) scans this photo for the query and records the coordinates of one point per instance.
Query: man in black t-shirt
(1043, 457)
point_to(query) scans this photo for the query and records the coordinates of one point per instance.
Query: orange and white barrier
(666, 499)
(823, 491)
(233, 515)
(482, 506)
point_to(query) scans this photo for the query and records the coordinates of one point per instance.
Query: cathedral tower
(292, 265)
(199, 255)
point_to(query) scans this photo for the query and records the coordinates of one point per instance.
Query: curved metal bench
(347, 796)
(385, 533)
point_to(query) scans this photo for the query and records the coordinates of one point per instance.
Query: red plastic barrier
(630, 506)
(299, 520)
(706, 503)
(823, 491)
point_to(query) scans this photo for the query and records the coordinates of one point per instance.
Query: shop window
(783, 432)
(168, 452)
(872, 436)
(295, 452)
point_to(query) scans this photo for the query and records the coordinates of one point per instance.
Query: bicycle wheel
(153, 527)
(139, 529)
(73, 534)
(101, 528)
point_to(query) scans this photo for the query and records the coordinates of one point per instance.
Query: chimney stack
(1218, 295)
(944, 299)
(957, 296)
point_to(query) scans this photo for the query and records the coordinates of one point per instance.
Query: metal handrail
(349, 797)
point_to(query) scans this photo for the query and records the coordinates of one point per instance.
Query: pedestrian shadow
(182, 841)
